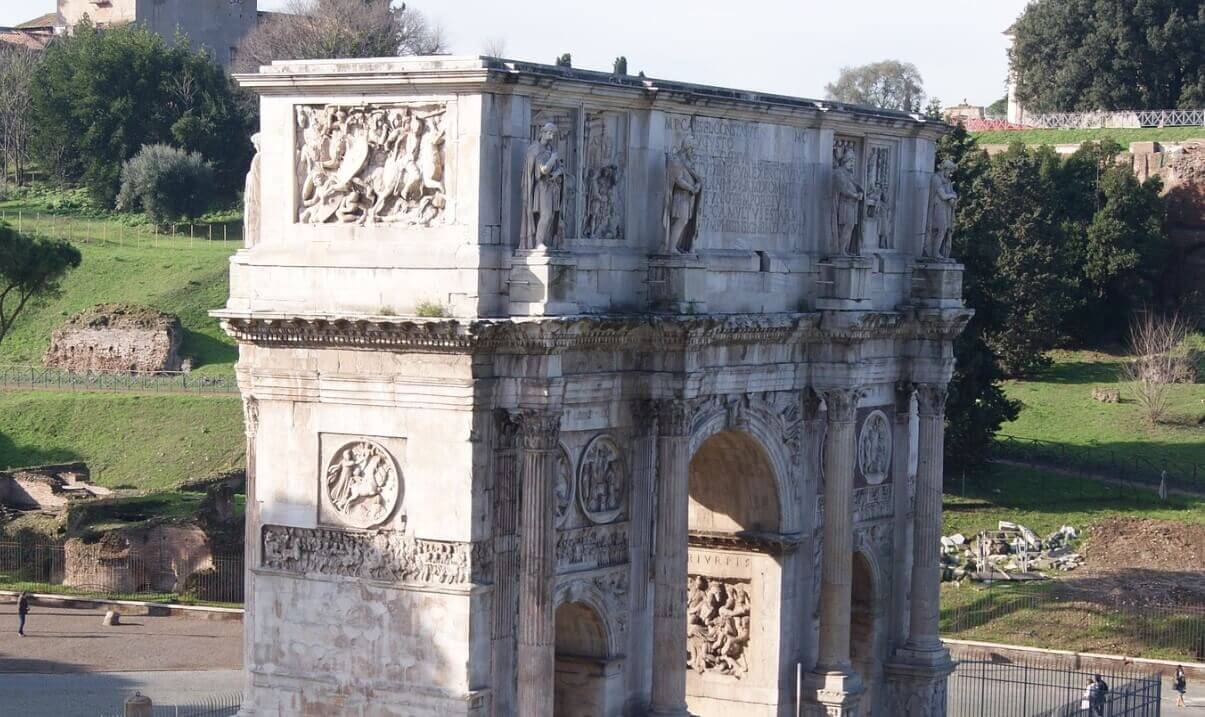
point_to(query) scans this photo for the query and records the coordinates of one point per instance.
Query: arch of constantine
(570, 393)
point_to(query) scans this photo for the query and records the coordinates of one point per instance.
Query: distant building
(964, 111)
(32, 35)
(217, 25)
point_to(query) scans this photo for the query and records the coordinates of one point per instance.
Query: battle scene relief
(717, 625)
(371, 164)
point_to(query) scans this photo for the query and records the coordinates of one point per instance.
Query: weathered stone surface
(160, 558)
(594, 486)
(117, 338)
(47, 487)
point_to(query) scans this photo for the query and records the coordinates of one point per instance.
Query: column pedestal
(540, 283)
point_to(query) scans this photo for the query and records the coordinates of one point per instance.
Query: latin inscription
(742, 193)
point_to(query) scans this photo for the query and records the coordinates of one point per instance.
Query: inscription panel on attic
(752, 174)
(371, 164)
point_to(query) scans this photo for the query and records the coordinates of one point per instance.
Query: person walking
(1088, 702)
(22, 611)
(1180, 685)
(1102, 694)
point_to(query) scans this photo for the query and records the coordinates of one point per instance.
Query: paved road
(99, 694)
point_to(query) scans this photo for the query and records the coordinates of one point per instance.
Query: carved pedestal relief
(718, 625)
(874, 448)
(602, 484)
(371, 164)
(361, 483)
(605, 175)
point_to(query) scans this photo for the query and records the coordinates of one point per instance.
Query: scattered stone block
(1106, 395)
(112, 618)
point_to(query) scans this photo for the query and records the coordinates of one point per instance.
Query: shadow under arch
(865, 622)
(588, 679)
(734, 485)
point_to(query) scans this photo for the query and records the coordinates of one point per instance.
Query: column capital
(811, 404)
(931, 399)
(539, 430)
(644, 415)
(250, 416)
(842, 403)
(506, 429)
(673, 418)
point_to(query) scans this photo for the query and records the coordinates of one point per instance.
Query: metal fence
(1102, 462)
(37, 377)
(1117, 120)
(210, 706)
(988, 685)
(93, 230)
(151, 572)
(1172, 632)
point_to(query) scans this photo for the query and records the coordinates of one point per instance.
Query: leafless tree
(322, 29)
(494, 46)
(17, 65)
(1159, 358)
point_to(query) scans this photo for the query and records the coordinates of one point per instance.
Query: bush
(168, 184)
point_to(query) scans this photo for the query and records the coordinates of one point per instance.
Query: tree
(889, 84)
(321, 29)
(976, 406)
(17, 65)
(169, 184)
(1082, 55)
(29, 269)
(98, 97)
(1158, 360)
(998, 109)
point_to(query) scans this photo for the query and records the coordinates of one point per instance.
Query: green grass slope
(1058, 406)
(149, 442)
(1077, 136)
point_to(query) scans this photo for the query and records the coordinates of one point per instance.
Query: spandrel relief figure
(847, 206)
(543, 192)
(371, 164)
(942, 202)
(683, 198)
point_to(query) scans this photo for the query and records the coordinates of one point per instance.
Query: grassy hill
(1078, 136)
(1058, 406)
(148, 442)
(181, 277)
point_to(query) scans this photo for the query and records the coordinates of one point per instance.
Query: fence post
(139, 705)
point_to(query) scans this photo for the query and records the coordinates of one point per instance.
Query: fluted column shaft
(926, 550)
(539, 433)
(669, 561)
(837, 557)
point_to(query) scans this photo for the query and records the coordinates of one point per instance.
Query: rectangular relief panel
(605, 175)
(371, 164)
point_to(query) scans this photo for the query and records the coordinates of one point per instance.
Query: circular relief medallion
(874, 448)
(563, 486)
(363, 483)
(602, 487)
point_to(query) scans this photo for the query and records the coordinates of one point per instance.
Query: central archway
(734, 576)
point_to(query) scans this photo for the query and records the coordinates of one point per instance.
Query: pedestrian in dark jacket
(22, 611)
(1102, 694)
(1180, 685)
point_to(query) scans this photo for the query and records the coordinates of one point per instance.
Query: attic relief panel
(371, 164)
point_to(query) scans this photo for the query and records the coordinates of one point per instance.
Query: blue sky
(787, 46)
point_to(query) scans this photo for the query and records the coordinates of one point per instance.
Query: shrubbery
(168, 184)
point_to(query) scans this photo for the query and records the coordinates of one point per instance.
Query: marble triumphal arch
(570, 393)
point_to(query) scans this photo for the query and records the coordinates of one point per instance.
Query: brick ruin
(117, 338)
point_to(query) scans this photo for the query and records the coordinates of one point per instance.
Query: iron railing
(992, 614)
(37, 377)
(1124, 119)
(987, 685)
(1102, 462)
(149, 573)
(209, 706)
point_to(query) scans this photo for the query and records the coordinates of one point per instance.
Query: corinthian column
(926, 547)
(669, 561)
(837, 557)
(539, 433)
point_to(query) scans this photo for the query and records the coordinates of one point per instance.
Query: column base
(836, 693)
(917, 680)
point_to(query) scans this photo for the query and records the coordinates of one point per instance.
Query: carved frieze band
(386, 556)
(874, 502)
(599, 546)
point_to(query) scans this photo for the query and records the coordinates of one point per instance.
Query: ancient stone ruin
(117, 338)
(674, 441)
(49, 488)
(158, 558)
(1011, 552)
